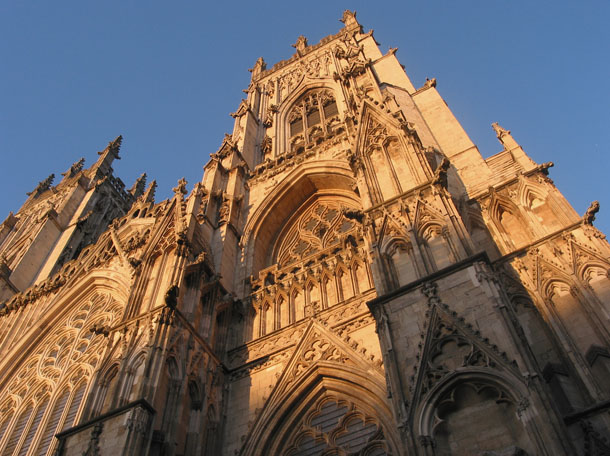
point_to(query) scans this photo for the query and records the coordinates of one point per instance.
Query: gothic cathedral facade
(350, 276)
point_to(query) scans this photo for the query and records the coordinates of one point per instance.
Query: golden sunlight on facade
(350, 276)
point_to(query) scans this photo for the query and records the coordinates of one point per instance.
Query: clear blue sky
(166, 75)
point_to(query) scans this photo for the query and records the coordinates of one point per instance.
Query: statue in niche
(223, 212)
(266, 147)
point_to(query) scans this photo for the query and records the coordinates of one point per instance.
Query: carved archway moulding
(278, 424)
(324, 177)
(101, 281)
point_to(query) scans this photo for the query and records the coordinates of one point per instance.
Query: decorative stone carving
(75, 168)
(180, 189)
(258, 68)
(300, 45)
(430, 83)
(440, 175)
(349, 20)
(589, 216)
(42, 186)
(500, 132)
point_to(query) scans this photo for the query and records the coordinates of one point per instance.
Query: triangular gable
(583, 256)
(437, 359)
(424, 214)
(318, 345)
(374, 124)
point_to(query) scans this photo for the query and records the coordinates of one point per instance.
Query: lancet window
(311, 118)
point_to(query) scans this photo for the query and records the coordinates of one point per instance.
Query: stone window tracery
(311, 118)
(317, 263)
(479, 418)
(55, 374)
(17, 431)
(33, 427)
(337, 427)
(319, 227)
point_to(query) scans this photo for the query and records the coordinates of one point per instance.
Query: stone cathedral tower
(349, 277)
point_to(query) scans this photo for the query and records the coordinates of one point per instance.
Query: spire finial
(75, 168)
(149, 194)
(500, 131)
(113, 147)
(138, 187)
(258, 67)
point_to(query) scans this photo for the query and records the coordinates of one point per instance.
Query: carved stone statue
(499, 130)
(300, 45)
(42, 186)
(589, 216)
(430, 83)
(266, 146)
(181, 187)
(223, 212)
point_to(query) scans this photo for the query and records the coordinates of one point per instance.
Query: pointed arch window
(310, 118)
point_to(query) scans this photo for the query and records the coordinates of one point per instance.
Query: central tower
(350, 276)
